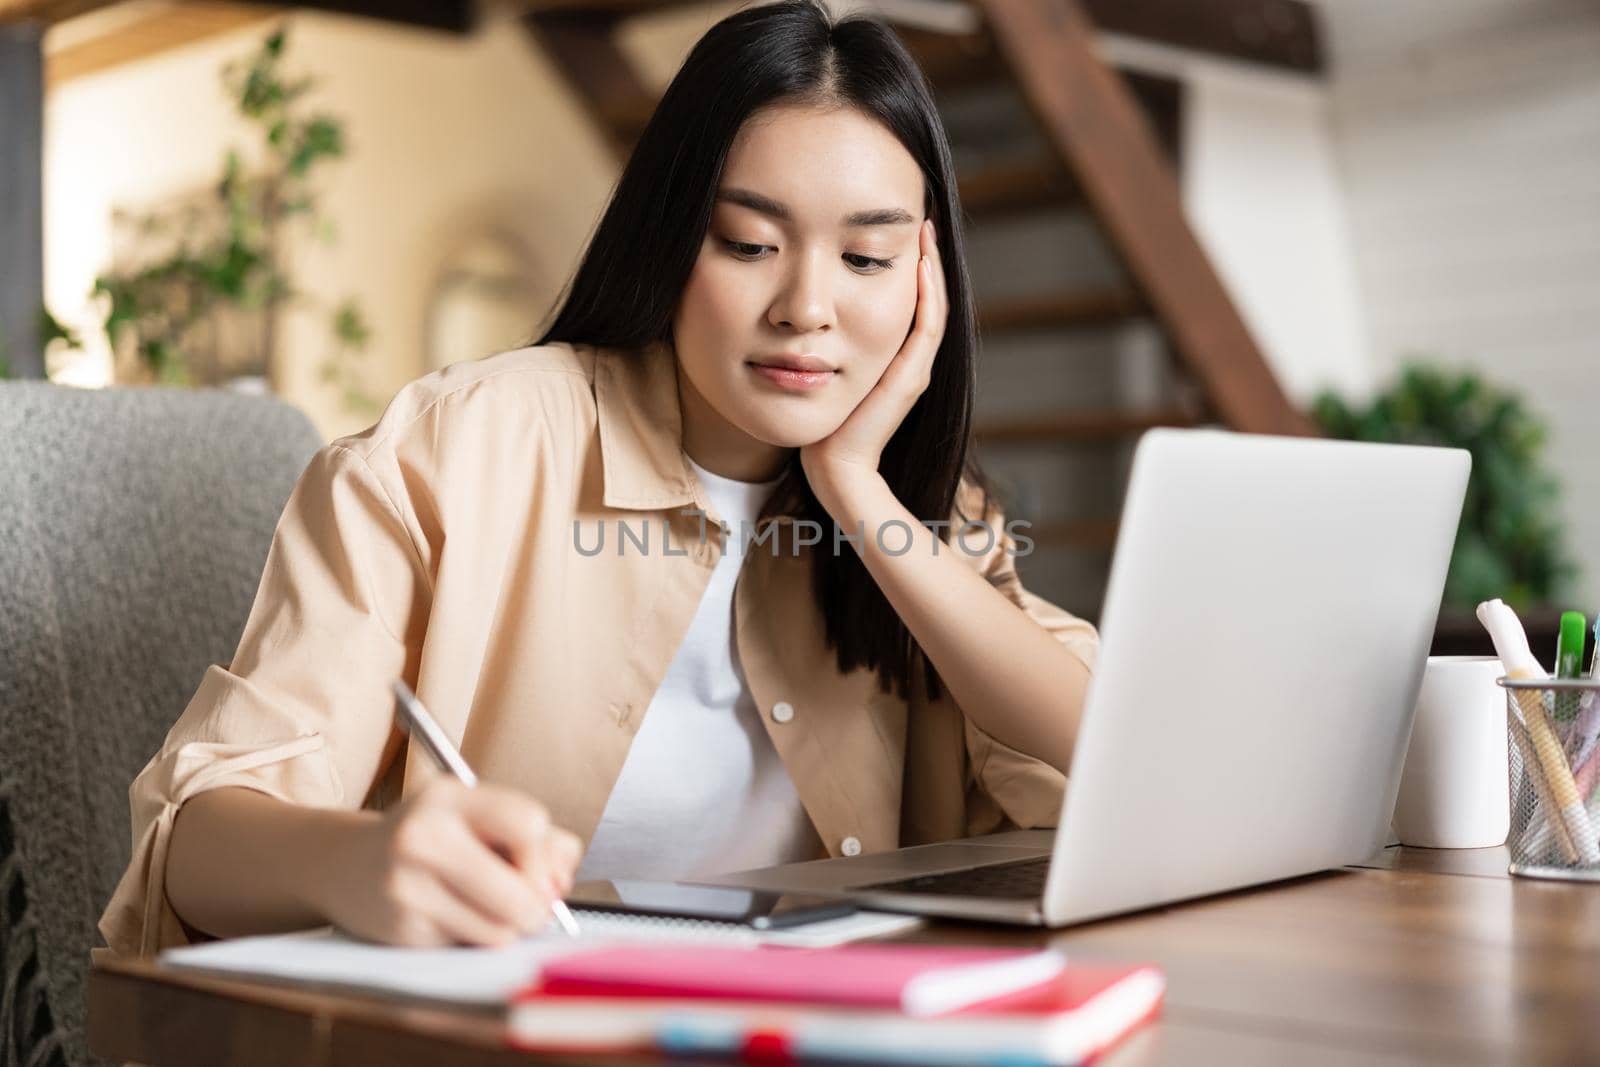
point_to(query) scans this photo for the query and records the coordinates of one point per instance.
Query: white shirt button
(782, 711)
(850, 846)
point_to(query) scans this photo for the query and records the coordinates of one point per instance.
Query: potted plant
(200, 307)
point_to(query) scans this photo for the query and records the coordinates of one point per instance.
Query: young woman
(696, 581)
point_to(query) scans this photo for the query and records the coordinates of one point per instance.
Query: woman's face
(804, 288)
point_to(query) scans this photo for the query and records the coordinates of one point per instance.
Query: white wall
(1261, 189)
(1469, 144)
(445, 134)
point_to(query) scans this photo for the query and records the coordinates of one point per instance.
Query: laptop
(1269, 614)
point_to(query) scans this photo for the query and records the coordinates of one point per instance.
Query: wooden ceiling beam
(1276, 33)
(607, 8)
(163, 28)
(153, 28)
(47, 11)
(452, 16)
(456, 16)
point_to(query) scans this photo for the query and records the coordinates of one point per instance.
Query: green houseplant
(203, 309)
(1509, 544)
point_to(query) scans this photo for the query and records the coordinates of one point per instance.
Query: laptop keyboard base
(1021, 880)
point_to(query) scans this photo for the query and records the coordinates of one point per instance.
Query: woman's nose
(804, 304)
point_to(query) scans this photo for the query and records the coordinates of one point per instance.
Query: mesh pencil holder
(1554, 727)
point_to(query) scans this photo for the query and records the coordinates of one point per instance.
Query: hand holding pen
(458, 862)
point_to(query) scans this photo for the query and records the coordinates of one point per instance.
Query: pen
(1569, 664)
(416, 721)
(1569, 644)
(1586, 727)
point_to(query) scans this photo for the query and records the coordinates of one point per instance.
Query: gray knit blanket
(134, 524)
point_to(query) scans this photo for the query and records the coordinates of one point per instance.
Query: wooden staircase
(1095, 125)
(1106, 144)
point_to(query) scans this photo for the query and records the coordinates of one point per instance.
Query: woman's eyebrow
(883, 216)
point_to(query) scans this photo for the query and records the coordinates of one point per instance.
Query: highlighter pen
(416, 721)
(1585, 731)
(1511, 645)
(1569, 664)
(1569, 644)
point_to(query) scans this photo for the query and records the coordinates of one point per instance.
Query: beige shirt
(439, 547)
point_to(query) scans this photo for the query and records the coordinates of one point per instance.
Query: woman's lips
(791, 378)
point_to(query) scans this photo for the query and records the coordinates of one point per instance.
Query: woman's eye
(748, 250)
(867, 264)
(744, 249)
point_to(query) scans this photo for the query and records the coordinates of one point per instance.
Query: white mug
(1453, 791)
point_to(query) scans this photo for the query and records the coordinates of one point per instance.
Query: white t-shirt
(703, 791)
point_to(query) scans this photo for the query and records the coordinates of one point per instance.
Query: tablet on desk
(758, 909)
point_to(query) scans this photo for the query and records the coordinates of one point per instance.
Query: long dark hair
(634, 272)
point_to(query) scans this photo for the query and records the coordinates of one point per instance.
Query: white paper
(487, 976)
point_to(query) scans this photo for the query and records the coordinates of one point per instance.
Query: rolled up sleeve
(1023, 792)
(303, 712)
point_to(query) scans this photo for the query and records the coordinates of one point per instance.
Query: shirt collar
(641, 428)
(641, 432)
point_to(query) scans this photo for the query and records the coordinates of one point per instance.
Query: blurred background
(1366, 218)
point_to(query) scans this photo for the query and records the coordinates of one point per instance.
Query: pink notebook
(920, 980)
(888, 1004)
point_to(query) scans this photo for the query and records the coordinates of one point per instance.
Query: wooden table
(1417, 955)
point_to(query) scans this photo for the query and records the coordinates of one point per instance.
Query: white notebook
(487, 976)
